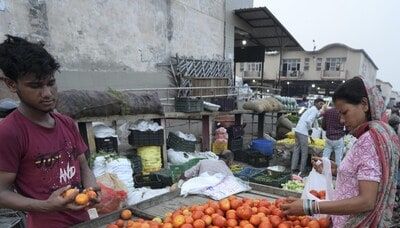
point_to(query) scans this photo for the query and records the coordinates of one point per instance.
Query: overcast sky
(372, 25)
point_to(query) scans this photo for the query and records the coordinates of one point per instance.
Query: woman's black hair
(352, 91)
(19, 57)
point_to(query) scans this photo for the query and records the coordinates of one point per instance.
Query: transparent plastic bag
(319, 182)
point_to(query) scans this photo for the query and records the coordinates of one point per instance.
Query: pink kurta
(360, 163)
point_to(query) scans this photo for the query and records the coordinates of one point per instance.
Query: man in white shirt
(302, 131)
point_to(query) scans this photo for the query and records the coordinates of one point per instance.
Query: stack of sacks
(269, 104)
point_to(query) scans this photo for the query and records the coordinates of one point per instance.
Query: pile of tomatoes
(229, 212)
(319, 194)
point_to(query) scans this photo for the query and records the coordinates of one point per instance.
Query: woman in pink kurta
(366, 179)
(360, 163)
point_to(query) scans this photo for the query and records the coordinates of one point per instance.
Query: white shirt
(306, 120)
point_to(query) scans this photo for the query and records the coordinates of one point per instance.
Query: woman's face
(351, 115)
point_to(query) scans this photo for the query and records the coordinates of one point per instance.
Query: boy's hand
(57, 202)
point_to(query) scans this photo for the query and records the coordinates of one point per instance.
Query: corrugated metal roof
(266, 31)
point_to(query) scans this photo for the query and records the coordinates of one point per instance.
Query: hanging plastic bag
(317, 183)
(318, 186)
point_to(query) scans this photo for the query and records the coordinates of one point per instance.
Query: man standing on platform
(302, 131)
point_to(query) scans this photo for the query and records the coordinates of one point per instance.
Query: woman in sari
(366, 179)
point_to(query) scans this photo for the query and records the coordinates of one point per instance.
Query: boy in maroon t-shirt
(41, 152)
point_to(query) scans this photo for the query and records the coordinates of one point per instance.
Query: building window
(290, 67)
(306, 64)
(319, 64)
(241, 67)
(334, 64)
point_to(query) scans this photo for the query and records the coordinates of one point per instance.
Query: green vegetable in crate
(293, 118)
(235, 168)
(293, 185)
(264, 178)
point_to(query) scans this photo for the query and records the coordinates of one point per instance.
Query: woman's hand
(293, 206)
(318, 165)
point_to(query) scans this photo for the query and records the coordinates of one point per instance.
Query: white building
(305, 72)
(386, 89)
(394, 98)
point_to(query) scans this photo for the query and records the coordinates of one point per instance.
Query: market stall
(162, 205)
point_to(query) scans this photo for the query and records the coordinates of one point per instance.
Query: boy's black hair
(19, 57)
(352, 91)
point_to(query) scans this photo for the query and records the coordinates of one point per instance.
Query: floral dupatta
(387, 146)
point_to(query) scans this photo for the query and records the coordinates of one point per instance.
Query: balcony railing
(292, 74)
(251, 74)
(329, 74)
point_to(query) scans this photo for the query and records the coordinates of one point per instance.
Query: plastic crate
(178, 144)
(240, 155)
(187, 104)
(136, 163)
(108, 144)
(146, 138)
(235, 144)
(227, 103)
(249, 172)
(235, 131)
(271, 181)
(257, 159)
(263, 146)
(152, 181)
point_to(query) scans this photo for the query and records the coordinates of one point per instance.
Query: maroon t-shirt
(44, 159)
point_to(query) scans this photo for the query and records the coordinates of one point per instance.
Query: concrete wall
(367, 69)
(118, 43)
(233, 21)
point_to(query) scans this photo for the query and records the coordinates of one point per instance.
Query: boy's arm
(87, 176)
(13, 200)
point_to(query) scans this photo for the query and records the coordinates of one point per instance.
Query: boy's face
(39, 94)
